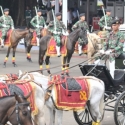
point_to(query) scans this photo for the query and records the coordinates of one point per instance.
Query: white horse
(39, 101)
(96, 96)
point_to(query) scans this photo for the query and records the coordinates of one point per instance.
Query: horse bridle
(16, 109)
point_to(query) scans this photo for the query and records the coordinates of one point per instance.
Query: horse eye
(24, 113)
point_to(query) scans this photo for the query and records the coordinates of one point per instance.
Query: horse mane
(74, 32)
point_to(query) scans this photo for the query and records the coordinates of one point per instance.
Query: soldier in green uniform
(106, 25)
(113, 46)
(57, 28)
(6, 23)
(79, 24)
(28, 16)
(38, 23)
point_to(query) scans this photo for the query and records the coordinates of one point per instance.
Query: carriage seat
(71, 84)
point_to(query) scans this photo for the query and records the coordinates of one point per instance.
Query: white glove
(106, 27)
(66, 34)
(12, 28)
(4, 26)
(55, 32)
(40, 26)
(88, 33)
(101, 51)
(45, 27)
(97, 61)
(108, 52)
(37, 26)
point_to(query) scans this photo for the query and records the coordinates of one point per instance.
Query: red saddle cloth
(84, 48)
(7, 41)
(74, 99)
(34, 40)
(24, 85)
(51, 50)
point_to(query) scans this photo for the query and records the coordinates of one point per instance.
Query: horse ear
(17, 97)
(28, 95)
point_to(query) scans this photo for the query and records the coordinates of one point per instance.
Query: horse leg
(63, 64)
(47, 64)
(59, 117)
(28, 53)
(41, 56)
(96, 104)
(6, 58)
(67, 65)
(13, 58)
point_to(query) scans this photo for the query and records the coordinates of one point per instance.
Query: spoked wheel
(83, 117)
(119, 110)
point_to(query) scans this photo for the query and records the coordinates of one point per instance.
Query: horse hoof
(14, 64)
(4, 65)
(29, 59)
(67, 74)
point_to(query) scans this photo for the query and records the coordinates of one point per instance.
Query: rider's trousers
(111, 67)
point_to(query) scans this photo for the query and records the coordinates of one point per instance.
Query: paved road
(24, 65)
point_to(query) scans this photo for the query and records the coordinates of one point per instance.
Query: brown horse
(15, 109)
(16, 36)
(70, 46)
(28, 42)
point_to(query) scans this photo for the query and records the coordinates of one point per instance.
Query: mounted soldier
(113, 46)
(6, 23)
(38, 23)
(56, 27)
(79, 24)
(106, 20)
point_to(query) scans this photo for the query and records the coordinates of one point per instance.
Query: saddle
(71, 85)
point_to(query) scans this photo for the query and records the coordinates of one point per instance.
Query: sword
(78, 13)
(2, 14)
(104, 16)
(54, 20)
(37, 15)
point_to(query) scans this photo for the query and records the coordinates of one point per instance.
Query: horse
(28, 42)
(16, 36)
(15, 109)
(95, 99)
(70, 46)
(38, 97)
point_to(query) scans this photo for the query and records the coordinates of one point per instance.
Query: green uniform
(59, 29)
(108, 20)
(28, 17)
(38, 21)
(114, 42)
(5, 20)
(80, 24)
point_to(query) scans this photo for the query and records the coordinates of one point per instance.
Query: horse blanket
(34, 40)
(7, 41)
(21, 87)
(70, 93)
(51, 50)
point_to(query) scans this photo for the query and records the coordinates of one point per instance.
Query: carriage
(114, 91)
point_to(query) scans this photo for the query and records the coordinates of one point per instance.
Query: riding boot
(58, 51)
(80, 49)
(2, 43)
(37, 39)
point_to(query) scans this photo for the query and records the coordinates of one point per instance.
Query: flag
(100, 3)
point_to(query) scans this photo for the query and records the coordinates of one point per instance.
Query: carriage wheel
(119, 110)
(83, 117)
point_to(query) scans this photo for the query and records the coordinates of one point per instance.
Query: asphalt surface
(24, 65)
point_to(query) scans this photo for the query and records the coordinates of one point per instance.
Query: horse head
(20, 113)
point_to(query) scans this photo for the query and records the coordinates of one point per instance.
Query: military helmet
(5, 10)
(58, 14)
(82, 14)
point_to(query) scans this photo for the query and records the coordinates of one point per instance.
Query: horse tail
(25, 45)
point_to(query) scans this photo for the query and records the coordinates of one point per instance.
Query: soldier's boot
(58, 51)
(80, 49)
(2, 43)
(37, 40)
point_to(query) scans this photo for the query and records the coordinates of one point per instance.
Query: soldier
(57, 28)
(113, 46)
(79, 24)
(38, 23)
(28, 16)
(108, 21)
(6, 23)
